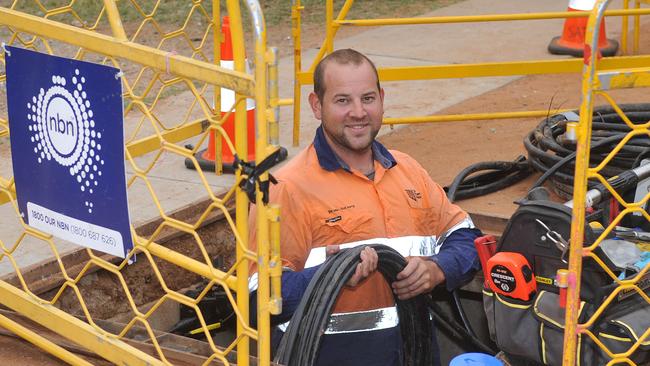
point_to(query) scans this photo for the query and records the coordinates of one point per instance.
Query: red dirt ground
(444, 149)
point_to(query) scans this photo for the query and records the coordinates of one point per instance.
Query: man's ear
(315, 105)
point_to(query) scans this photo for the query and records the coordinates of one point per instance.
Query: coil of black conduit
(552, 154)
(482, 178)
(301, 342)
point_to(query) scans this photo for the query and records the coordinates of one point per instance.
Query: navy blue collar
(329, 161)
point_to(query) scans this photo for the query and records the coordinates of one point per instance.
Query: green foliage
(275, 11)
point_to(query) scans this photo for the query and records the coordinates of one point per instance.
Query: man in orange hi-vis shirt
(347, 189)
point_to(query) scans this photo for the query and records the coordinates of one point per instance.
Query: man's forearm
(458, 258)
(294, 285)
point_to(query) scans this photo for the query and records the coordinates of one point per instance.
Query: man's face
(352, 108)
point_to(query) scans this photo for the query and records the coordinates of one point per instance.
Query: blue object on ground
(475, 359)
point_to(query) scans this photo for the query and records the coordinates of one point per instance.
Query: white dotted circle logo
(63, 129)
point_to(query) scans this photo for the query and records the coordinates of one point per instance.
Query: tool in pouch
(557, 239)
(509, 274)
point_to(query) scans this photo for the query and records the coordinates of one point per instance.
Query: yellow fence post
(217, 39)
(241, 209)
(296, 8)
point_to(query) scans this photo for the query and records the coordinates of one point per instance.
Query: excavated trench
(105, 297)
(109, 307)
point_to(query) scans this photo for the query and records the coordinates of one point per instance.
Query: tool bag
(534, 329)
(526, 235)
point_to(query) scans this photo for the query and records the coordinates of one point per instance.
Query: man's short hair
(342, 57)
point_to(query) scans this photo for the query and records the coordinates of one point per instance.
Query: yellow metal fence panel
(168, 53)
(595, 84)
(335, 21)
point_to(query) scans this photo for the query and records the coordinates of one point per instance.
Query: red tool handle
(486, 246)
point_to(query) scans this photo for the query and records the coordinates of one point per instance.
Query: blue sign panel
(67, 149)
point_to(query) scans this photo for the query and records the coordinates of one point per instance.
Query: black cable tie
(253, 173)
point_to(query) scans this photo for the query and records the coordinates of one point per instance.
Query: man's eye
(368, 99)
(341, 100)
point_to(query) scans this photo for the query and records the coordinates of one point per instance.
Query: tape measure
(511, 275)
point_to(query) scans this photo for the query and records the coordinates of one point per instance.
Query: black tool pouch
(621, 327)
(534, 330)
(551, 331)
(512, 325)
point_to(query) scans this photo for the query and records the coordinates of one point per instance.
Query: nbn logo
(58, 124)
(62, 125)
(63, 122)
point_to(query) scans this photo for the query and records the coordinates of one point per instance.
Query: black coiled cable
(493, 176)
(301, 342)
(552, 154)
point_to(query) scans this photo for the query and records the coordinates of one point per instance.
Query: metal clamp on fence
(254, 172)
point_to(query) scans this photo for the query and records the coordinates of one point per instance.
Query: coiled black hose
(301, 342)
(552, 154)
(496, 176)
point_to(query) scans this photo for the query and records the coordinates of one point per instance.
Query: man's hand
(367, 265)
(420, 275)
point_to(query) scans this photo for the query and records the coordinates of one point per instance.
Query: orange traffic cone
(572, 41)
(207, 157)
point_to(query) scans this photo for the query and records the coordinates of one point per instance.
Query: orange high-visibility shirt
(322, 204)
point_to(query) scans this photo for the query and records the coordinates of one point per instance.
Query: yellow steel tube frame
(41, 342)
(75, 330)
(590, 83)
(297, 67)
(244, 85)
(106, 45)
(444, 71)
(241, 211)
(636, 30)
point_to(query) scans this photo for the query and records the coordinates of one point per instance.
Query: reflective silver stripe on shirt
(407, 246)
(283, 327)
(362, 321)
(359, 321)
(466, 223)
(252, 282)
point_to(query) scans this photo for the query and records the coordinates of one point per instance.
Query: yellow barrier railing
(164, 57)
(636, 28)
(334, 23)
(595, 82)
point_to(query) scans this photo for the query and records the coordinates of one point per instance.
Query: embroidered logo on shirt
(332, 220)
(413, 194)
(333, 210)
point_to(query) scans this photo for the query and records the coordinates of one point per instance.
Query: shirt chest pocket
(423, 217)
(345, 227)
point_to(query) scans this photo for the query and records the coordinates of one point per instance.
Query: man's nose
(357, 110)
